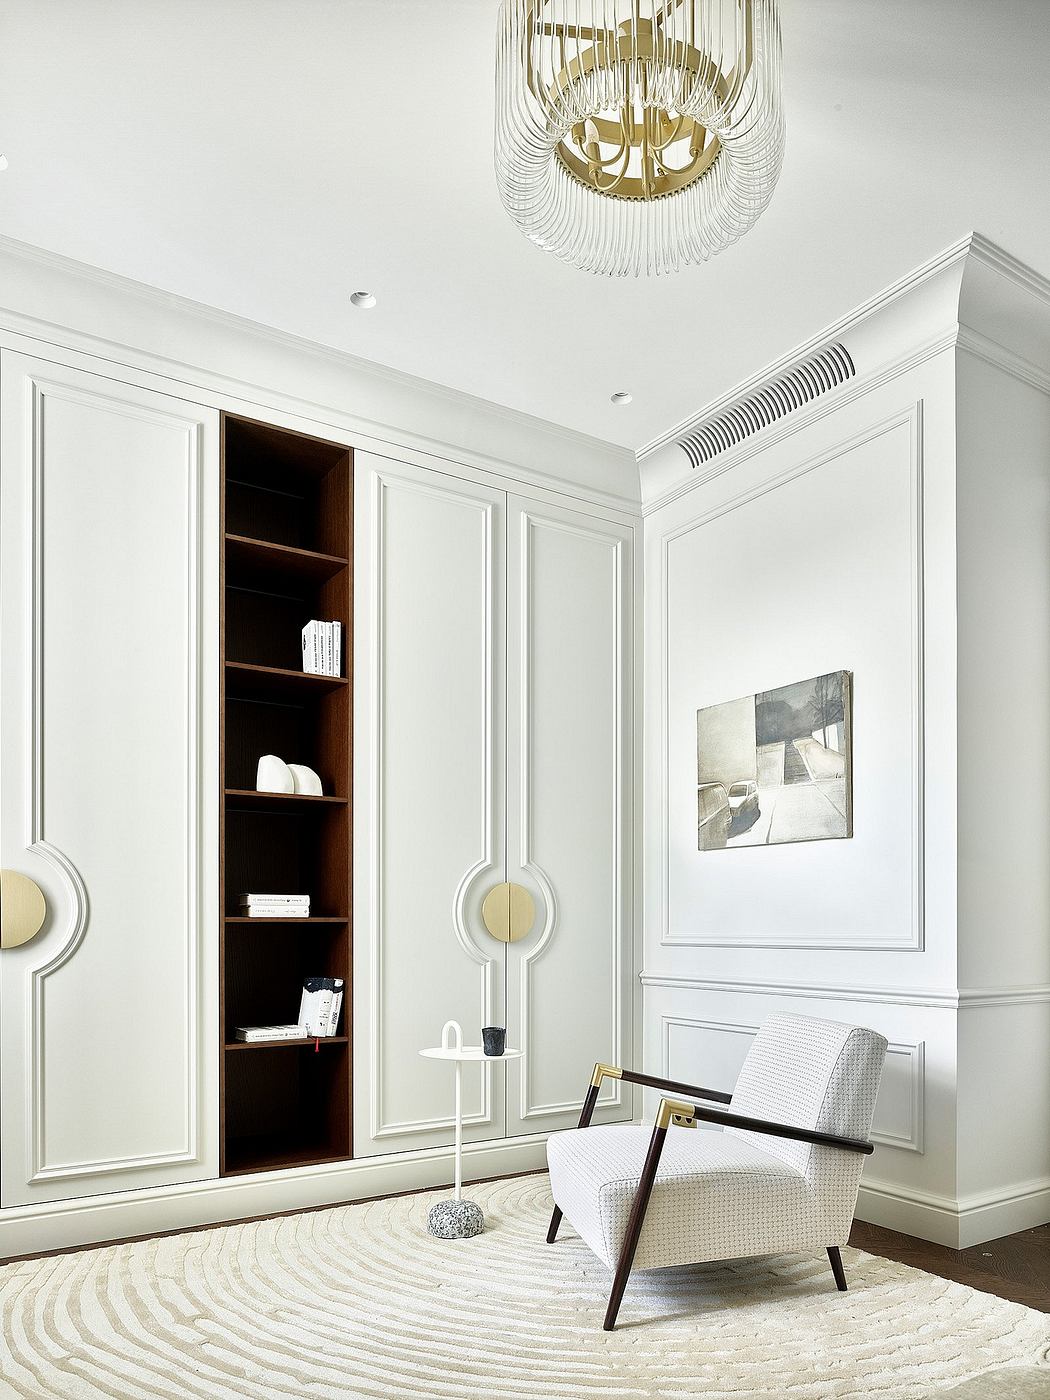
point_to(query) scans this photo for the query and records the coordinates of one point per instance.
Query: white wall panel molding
(404, 405)
(489, 858)
(972, 997)
(40, 1166)
(79, 547)
(613, 695)
(153, 1210)
(913, 939)
(899, 1113)
(946, 998)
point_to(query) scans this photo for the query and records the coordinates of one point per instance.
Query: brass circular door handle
(508, 912)
(23, 909)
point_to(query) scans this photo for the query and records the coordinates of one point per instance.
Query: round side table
(457, 1219)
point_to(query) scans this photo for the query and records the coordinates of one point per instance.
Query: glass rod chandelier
(637, 135)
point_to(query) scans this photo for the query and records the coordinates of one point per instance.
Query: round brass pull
(23, 907)
(508, 912)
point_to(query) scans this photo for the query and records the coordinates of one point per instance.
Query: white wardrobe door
(108, 745)
(569, 809)
(429, 797)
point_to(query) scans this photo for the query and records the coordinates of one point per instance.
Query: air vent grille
(791, 390)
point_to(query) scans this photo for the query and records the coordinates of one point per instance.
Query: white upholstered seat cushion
(716, 1196)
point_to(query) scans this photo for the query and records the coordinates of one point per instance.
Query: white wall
(1004, 795)
(899, 531)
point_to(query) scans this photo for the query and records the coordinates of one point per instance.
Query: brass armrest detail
(604, 1072)
(672, 1112)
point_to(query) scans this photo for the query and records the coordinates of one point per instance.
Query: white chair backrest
(822, 1075)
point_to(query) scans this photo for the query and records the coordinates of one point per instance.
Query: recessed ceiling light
(3, 162)
(621, 396)
(365, 300)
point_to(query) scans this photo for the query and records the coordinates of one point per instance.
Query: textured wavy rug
(360, 1301)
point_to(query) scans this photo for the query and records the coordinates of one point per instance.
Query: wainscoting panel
(710, 1053)
(110, 744)
(429, 789)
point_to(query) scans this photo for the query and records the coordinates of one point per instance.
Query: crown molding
(459, 401)
(803, 418)
(947, 258)
(1013, 269)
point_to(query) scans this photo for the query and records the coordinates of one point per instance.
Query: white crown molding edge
(954, 253)
(266, 397)
(974, 244)
(942, 998)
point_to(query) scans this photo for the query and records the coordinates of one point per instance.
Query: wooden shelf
(247, 800)
(245, 681)
(251, 562)
(287, 556)
(313, 919)
(275, 1151)
(286, 1044)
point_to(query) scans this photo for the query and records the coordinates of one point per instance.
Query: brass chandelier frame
(653, 133)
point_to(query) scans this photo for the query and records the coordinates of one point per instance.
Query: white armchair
(783, 1175)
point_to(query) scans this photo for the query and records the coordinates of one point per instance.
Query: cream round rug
(360, 1301)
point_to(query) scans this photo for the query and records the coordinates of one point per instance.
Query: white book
(252, 898)
(253, 1033)
(336, 1007)
(281, 911)
(289, 905)
(312, 663)
(329, 649)
(337, 648)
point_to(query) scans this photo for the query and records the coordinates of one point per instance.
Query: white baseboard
(95, 1219)
(986, 1215)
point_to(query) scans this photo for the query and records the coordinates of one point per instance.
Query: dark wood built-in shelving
(286, 557)
(247, 682)
(323, 1042)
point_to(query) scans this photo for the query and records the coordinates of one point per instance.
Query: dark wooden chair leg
(634, 1225)
(836, 1267)
(585, 1118)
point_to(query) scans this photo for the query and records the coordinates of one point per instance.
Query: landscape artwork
(776, 767)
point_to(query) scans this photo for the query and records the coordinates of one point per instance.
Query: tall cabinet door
(569, 836)
(108, 755)
(429, 797)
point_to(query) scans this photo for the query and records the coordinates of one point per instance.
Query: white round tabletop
(468, 1052)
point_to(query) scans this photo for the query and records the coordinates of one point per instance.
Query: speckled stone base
(455, 1220)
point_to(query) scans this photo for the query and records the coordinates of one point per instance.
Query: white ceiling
(270, 156)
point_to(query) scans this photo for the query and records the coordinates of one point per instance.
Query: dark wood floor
(1016, 1267)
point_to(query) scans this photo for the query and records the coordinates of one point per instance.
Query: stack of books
(253, 1033)
(319, 1010)
(275, 906)
(323, 648)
